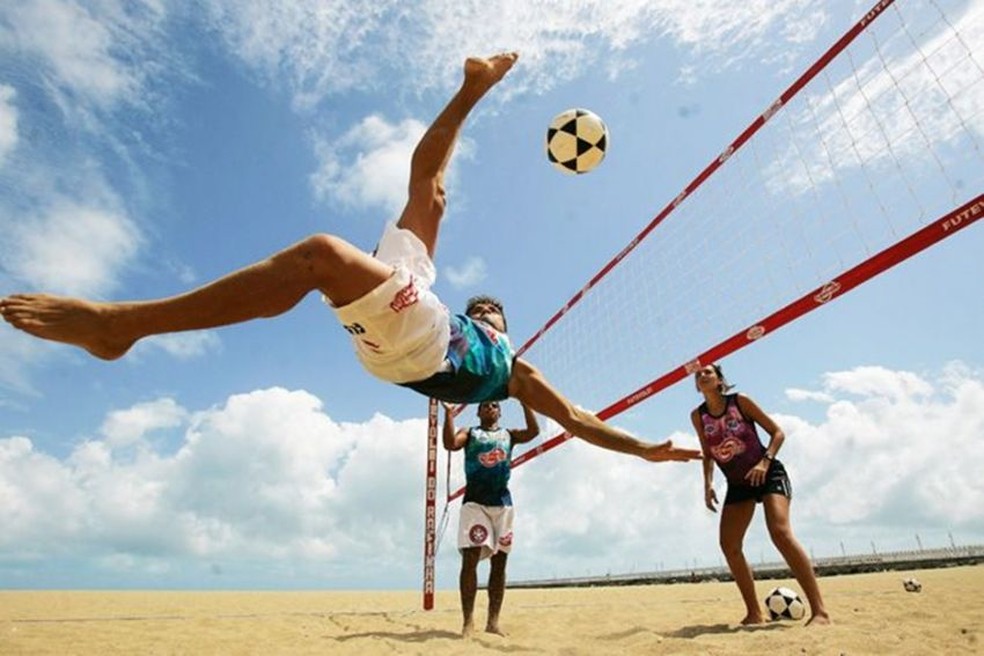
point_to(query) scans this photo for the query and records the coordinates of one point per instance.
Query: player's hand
(711, 499)
(665, 451)
(756, 475)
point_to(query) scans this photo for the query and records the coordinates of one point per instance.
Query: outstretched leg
(273, 286)
(265, 289)
(425, 206)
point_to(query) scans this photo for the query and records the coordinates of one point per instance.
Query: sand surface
(872, 614)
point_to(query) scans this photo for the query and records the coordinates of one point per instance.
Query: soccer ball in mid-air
(784, 604)
(912, 585)
(576, 141)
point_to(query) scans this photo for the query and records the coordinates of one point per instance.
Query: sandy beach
(872, 614)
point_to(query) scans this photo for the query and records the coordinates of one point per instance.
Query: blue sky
(146, 147)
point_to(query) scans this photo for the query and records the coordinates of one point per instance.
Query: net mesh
(885, 139)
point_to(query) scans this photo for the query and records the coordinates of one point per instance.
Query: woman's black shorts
(776, 482)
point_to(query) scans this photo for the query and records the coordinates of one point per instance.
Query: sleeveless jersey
(732, 440)
(477, 368)
(487, 455)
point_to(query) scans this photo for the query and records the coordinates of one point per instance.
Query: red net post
(430, 507)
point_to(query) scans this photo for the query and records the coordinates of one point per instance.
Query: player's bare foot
(481, 74)
(67, 320)
(494, 628)
(819, 619)
(468, 629)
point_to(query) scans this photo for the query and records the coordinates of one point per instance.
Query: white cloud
(72, 248)
(16, 349)
(469, 274)
(258, 477)
(369, 166)
(125, 427)
(63, 226)
(881, 437)
(87, 50)
(580, 509)
(8, 121)
(268, 477)
(808, 395)
(740, 32)
(878, 381)
(322, 49)
(183, 346)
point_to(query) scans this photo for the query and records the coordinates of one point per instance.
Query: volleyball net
(869, 157)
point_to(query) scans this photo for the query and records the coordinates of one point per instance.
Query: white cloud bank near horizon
(268, 482)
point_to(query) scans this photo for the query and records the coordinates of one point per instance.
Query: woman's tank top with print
(731, 439)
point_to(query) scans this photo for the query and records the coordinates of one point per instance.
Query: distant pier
(835, 566)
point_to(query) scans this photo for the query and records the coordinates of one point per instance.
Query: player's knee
(730, 547)
(782, 536)
(322, 248)
(311, 261)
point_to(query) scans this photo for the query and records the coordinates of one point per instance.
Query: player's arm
(757, 474)
(710, 496)
(453, 439)
(531, 388)
(751, 411)
(530, 432)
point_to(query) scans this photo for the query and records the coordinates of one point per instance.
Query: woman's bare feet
(752, 619)
(73, 321)
(819, 619)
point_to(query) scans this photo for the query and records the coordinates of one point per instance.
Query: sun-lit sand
(872, 614)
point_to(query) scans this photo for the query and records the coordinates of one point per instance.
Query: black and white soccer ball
(577, 140)
(784, 604)
(912, 585)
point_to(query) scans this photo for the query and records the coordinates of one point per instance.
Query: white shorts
(488, 527)
(400, 329)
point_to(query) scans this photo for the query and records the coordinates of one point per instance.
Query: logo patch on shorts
(405, 297)
(506, 540)
(477, 534)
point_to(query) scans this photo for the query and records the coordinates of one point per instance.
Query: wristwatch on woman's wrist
(768, 456)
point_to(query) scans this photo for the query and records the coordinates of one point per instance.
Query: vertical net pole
(430, 507)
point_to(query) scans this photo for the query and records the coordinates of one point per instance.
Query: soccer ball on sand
(912, 585)
(576, 141)
(784, 604)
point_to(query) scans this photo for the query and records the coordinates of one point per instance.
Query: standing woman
(725, 424)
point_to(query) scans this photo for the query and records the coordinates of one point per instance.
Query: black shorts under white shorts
(776, 482)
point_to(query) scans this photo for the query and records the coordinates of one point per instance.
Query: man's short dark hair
(491, 300)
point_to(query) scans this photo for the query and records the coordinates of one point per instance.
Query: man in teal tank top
(486, 519)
